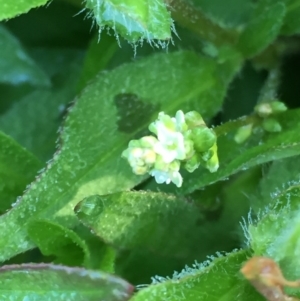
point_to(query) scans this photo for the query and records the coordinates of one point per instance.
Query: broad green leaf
(216, 280)
(291, 24)
(136, 220)
(116, 108)
(16, 66)
(46, 282)
(17, 169)
(260, 148)
(134, 20)
(13, 8)
(263, 28)
(46, 107)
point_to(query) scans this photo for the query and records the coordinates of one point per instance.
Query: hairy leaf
(16, 67)
(13, 8)
(142, 220)
(133, 19)
(98, 130)
(263, 28)
(45, 282)
(276, 231)
(17, 168)
(216, 280)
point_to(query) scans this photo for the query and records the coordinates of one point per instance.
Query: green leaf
(46, 107)
(13, 8)
(263, 28)
(17, 168)
(71, 247)
(260, 148)
(97, 57)
(98, 129)
(133, 19)
(218, 280)
(46, 282)
(276, 231)
(16, 67)
(291, 24)
(136, 220)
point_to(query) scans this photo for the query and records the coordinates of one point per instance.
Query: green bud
(203, 138)
(192, 164)
(271, 125)
(160, 164)
(207, 155)
(213, 163)
(263, 109)
(193, 119)
(147, 141)
(189, 148)
(140, 170)
(243, 133)
(278, 107)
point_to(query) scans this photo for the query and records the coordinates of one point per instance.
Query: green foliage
(113, 218)
(133, 20)
(16, 65)
(75, 91)
(47, 282)
(14, 8)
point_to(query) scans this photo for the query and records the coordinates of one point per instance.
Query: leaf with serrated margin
(116, 108)
(46, 282)
(13, 8)
(16, 66)
(18, 167)
(217, 280)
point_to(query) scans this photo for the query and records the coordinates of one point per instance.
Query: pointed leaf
(133, 19)
(16, 67)
(46, 282)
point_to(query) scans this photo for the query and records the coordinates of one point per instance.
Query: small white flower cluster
(183, 138)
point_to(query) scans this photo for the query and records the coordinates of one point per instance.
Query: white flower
(167, 177)
(170, 145)
(166, 173)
